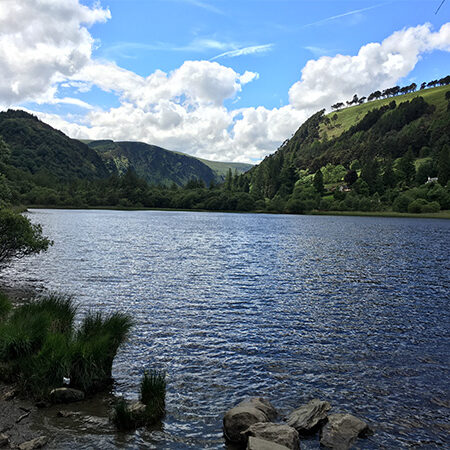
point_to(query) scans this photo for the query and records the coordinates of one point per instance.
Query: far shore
(444, 214)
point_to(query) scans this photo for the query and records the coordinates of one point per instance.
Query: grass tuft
(40, 343)
(5, 306)
(153, 394)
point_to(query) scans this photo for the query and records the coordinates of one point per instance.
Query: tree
(444, 166)
(406, 165)
(19, 237)
(318, 182)
(350, 177)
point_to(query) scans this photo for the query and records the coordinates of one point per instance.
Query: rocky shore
(252, 425)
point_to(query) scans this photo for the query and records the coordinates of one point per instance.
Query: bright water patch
(353, 310)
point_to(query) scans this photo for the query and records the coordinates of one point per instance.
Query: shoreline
(443, 214)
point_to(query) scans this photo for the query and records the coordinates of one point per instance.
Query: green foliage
(153, 394)
(5, 306)
(318, 182)
(19, 237)
(122, 417)
(39, 341)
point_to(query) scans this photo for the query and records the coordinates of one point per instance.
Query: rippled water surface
(354, 310)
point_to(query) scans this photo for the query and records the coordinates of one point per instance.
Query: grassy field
(353, 114)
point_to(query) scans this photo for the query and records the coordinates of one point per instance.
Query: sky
(226, 80)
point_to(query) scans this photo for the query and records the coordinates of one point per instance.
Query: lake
(353, 310)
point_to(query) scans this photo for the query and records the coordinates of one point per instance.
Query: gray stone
(255, 443)
(263, 405)
(137, 409)
(34, 443)
(66, 395)
(275, 432)
(4, 440)
(342, 430)
(309, 417)
(245, 414)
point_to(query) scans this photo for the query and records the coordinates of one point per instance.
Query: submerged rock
(34, 443)
(275, 433)
(66, 395)
(342, 430)
(255, 443)
(245, 414)
(309, 417)
(137, 409)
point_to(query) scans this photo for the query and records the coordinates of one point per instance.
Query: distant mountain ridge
(38, 150)
(158, 165)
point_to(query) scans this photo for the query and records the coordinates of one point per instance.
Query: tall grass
(39, 341)
(5, 306)
(153, 394)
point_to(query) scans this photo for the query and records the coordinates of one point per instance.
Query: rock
(66, 395)
(255, 443)
(309, 417)
(274, 432)
(67, 414)
(341, 431)
(34, 443)
(4, 440)
(137, 409)
(263, 405)
(9, 395)
(245, 414)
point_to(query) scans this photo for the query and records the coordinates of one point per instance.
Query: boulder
(280, 434)
(34, 443)
(342, 430)
(263, 405)
(255, 443)
(4, 440)
(137, 409)
(309, 417)
(66, 395)
(245, 414)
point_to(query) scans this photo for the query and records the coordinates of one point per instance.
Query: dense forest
(390, 154)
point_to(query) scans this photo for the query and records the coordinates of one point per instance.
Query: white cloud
(42, 41)
(376, 66)
(44, 45)
(244, 51)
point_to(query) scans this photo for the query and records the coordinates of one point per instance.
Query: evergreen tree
(444, 165)
(318, 182)
(406, 165)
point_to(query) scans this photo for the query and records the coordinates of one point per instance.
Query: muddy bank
(77, 423)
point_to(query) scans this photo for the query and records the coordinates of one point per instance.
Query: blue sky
(227, 80)
(143, 36)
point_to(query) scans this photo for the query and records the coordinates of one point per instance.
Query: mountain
(38, 149)
(380, 133)
(160, 166)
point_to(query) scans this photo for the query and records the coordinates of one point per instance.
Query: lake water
(353, 310)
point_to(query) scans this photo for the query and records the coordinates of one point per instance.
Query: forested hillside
(367, 157)
(391, 154)
(154, 164)
(39, 151)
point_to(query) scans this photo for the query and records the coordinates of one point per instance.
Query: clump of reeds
(41, 345)
(153, 394)
(151, 408)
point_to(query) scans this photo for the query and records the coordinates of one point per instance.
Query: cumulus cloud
(376, 66)
(44, 44)
(42, 41)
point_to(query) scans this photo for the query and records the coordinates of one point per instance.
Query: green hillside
(221, 168)
(37, 149)
(375, 156)
(154, 164)
(160, 166)
(342, 120)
